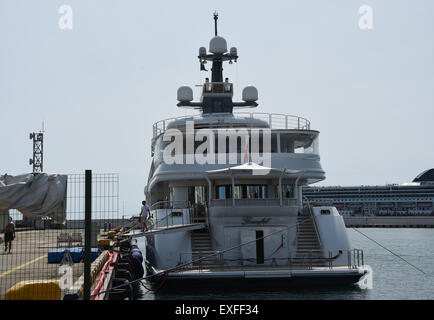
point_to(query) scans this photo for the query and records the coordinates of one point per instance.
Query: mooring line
(397, 255)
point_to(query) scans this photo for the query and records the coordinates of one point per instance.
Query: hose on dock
(103, 276)
(127, 269)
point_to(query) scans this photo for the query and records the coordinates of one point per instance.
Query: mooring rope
(397, 255)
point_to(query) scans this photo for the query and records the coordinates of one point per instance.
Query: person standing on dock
(145, 214)
(9, 234)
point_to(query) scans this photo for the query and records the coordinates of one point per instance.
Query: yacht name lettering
(192, 310)
(249, 220)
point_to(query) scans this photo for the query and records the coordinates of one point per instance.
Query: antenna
(38, 151)
(216, 94)
(216, 16)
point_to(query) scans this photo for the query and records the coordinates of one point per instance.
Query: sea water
(392, 277)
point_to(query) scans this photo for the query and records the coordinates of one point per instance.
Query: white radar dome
(218, 45)
(250, 93)
(185, 94)
(202, 51)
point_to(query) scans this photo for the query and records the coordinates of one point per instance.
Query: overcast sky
(101, 85)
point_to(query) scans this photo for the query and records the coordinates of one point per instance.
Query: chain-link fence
(45, 258)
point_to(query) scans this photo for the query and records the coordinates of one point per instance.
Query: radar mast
(217, 94)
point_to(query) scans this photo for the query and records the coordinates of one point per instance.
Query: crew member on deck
(145, 214)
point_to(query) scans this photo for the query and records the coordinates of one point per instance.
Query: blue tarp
(77, 254)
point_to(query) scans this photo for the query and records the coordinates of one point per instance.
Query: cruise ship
(409, 199)
(225, 193)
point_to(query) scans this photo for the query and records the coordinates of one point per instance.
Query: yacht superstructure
(225, 190)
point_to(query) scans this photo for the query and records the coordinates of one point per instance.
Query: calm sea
(392, 277)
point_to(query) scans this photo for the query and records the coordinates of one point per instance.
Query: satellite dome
(185, 94)
(218, 45)
(202, 51)
(250, 94)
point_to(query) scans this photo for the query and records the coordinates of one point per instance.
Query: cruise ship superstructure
(233, 219)
(409, 199)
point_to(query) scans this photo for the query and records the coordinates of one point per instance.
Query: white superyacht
(225, 193)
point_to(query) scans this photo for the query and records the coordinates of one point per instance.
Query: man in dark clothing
(9, 235)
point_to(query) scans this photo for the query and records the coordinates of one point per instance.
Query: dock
(29, 259)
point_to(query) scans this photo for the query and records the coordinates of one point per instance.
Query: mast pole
(216, 16)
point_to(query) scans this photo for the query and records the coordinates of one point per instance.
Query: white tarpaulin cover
(254, 168)
(35, 195)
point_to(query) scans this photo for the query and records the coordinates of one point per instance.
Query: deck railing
(305, 259)
(249, 119)
(175, 214)
(253, 202)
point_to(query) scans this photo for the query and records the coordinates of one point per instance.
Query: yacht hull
(258, 279)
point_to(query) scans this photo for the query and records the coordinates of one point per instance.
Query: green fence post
(87, 232)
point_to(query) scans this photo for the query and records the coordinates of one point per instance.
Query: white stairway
(201, 246)
(308, 245)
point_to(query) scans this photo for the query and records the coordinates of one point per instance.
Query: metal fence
(45, 256)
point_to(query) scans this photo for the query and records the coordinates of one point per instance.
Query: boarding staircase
(201, 246)
(308, 252)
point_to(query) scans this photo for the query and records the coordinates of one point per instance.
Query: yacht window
(298, 143)
(256, 192)
(286, 143)
(218, 88)
(273, 143)
(197, 194)
(287, 191)
(242, 192)
(224, 192)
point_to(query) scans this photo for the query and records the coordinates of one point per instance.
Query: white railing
(253, 202)
(274, 121)
(305, 259)
(169, 213)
